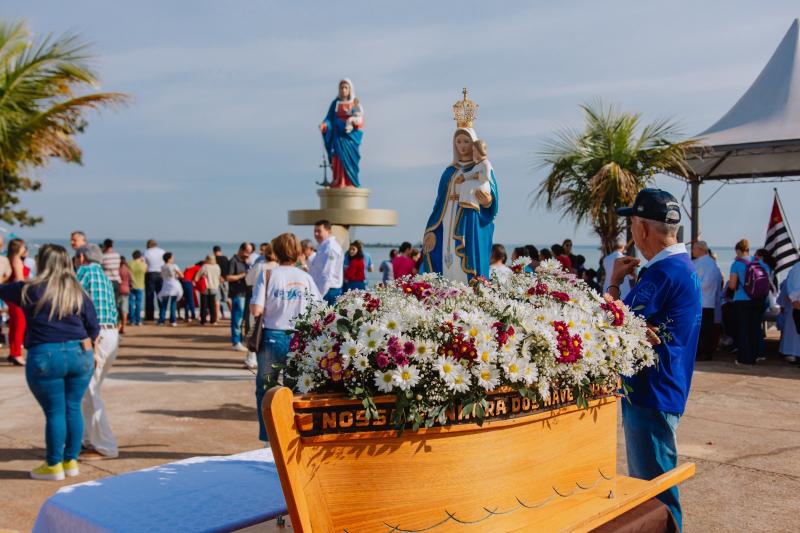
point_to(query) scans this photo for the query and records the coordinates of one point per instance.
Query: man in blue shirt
(668, 296)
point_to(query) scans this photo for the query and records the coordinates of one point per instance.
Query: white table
(223, 493)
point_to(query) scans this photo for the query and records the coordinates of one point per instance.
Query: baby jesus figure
(356, 118)
(475, 180)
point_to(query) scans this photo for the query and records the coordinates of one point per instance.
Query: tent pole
(695, 208)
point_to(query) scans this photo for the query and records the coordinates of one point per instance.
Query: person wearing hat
(668, 297)
(98, 440)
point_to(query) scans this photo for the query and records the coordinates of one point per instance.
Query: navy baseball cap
(654, 204)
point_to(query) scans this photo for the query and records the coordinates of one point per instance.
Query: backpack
(756, 280)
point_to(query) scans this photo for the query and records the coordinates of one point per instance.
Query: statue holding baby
(458, 237)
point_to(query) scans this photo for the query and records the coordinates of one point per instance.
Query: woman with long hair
(62, 325)
(355, 273)
(16, 318)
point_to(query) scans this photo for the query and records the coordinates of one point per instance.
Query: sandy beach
(178, 393)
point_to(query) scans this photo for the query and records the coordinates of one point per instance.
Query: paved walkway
(181, 392)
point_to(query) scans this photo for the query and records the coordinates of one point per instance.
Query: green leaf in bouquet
(343, 326)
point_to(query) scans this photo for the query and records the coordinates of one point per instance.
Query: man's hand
(428, 242)
(623, 266)
(652, 336)
(796, 305)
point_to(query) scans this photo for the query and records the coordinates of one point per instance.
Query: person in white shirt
(608, 267)
(154, 257)
(711, 285)
(497, 265)
(279, 296)
(327, 267)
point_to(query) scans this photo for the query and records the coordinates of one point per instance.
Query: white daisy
(305, 383)
(361, 362)
(459, 381)
(406, 376)
(486, 353)
(513, 368)
(488, 376)
(384, 381)
(529, 373)
(349, 351)
(447, 366)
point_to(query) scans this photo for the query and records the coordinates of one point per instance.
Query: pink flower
(382, 360)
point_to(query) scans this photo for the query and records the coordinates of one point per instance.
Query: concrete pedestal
(344, 208)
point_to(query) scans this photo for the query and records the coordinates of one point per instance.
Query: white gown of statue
(451, 263)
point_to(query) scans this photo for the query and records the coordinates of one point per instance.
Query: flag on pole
(780, 242)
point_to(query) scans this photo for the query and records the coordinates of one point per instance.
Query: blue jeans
(58, 374)
(172, 302)
(188, 295)
(652, 449)
(274, 348)
(135, 306)
(331, 295)
(237, 314)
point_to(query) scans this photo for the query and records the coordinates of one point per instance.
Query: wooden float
(530, 467)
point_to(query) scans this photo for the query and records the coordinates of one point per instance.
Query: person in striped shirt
(98, 439)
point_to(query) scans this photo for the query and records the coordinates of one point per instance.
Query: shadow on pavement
(228, 411)
(186, 378)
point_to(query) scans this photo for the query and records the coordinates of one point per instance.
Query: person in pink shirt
(402, 264)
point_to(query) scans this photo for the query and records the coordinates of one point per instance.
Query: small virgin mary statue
(342, 134)
(458, 237)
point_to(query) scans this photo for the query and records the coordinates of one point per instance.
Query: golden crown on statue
(465, 111)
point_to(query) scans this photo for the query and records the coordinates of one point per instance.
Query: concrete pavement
(181, 392)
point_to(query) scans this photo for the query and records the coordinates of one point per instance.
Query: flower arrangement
(437, 344)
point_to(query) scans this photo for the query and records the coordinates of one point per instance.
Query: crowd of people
(77, 305)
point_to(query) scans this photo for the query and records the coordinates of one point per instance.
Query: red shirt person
(402, 264)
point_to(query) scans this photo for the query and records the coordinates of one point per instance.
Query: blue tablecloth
(222, 493)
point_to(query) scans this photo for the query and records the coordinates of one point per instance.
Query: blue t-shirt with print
(668, 296)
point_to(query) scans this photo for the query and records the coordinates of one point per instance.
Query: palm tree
(44, 93)
(594, 171)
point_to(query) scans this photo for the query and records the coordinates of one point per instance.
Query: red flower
(329, 318)
(561, 296)
(617, 315)
(569, 346)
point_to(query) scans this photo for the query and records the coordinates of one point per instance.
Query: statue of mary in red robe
(342, 134)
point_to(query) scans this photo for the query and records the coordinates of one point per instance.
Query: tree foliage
(45, 91)
(602, 167)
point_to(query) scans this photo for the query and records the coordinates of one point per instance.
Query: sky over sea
(221, 137)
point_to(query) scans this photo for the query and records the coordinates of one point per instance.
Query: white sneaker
(239, 347)
(250, 361)
(790, 358)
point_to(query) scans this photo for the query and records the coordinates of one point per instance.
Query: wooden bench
(536, 467)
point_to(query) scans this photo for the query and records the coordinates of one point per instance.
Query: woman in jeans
(279, 296)
(61, 328)
(747, 311)
(170, 292)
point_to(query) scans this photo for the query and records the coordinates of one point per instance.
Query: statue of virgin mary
(458, 236)
(342, 134)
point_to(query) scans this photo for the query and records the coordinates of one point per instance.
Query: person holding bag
(279, 296)
(61, 327)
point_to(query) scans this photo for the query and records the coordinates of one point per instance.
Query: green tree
(594, 171)
(45, 91)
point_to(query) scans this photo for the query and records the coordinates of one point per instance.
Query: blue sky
(221, 138)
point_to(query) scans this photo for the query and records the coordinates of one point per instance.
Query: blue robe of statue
(342, 147)
(472, 232)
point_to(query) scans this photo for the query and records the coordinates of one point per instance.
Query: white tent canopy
(760, 136)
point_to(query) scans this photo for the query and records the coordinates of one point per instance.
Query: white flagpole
(785, 220)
